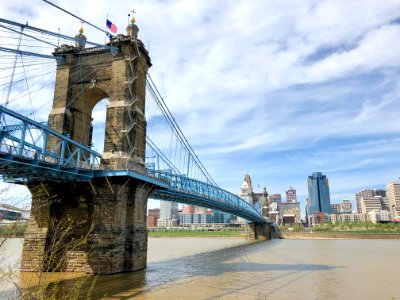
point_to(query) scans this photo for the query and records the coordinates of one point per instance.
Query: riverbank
(340, 235)
(197, 233)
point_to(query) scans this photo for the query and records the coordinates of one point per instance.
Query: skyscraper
(318, 193)
(291, 195)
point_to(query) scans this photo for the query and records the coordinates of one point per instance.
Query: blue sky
(278, 89)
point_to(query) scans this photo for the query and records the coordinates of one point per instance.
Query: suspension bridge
(61, 97)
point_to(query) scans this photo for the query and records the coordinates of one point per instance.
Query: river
(233, 268)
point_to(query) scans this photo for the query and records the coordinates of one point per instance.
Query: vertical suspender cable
(14, 65)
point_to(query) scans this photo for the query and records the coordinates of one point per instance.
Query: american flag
(111, 26)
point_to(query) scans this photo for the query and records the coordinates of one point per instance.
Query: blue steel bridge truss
(25, 157)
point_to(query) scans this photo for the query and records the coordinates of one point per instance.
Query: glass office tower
(318, 193)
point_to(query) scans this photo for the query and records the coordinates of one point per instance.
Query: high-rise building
(375, 203)
(168, 213)
(345, 206)
(291, 195)
(153, 214)
(393, 195)
(335, 208)
(275, 198)
(318, 193)
(289, 213)
(341, 208)
(367, 193)
(246, 191)
(220, 217)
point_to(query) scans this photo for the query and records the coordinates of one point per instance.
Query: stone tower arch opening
(84, 115)
(99, 125)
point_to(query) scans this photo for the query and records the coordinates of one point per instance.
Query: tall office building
(168, 213)
(291, 195)
(393, 195)
(318, 193)
(367, 193)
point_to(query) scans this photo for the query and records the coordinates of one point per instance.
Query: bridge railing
(28, 139)
(184, 185)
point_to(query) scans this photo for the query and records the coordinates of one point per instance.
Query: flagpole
(105, 37)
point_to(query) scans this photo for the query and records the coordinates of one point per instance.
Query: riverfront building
(379, 216)
(377, 203)
(342, 208)
(289, 213)
(348, 217)
(367, 193)
(195, 215)
(318, 193)
(153, 214)
(393, 195)
(195, 219)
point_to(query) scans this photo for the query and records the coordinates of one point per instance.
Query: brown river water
(233, 268)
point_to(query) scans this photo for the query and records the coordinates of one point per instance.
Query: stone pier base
(93, 227)
(258, 231)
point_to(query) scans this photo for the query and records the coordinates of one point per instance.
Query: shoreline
(340, 235)
(285, 235)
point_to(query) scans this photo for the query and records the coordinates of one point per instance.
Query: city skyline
(278, 90)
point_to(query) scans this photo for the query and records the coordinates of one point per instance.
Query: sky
(275, 89)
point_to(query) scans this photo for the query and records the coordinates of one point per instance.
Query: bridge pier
(258, 231)
(97, 227)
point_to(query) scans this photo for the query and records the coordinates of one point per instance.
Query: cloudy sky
(276, 89)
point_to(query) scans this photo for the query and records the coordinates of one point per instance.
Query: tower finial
(81, 30)
(133, 20)
(132, 29)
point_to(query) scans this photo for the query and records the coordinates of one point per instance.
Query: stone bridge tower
(96, 226)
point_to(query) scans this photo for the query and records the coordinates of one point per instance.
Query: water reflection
(188, 268)
(228, 264)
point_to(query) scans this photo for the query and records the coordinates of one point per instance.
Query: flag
(111, 26)
(110, 36)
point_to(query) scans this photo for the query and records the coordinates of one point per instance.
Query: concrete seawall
(339, 235)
